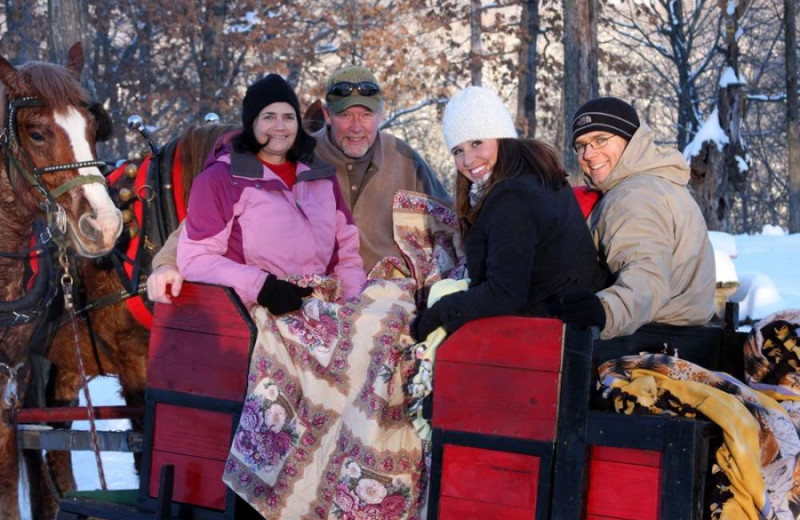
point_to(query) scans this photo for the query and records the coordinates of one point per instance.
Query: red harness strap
(33, 262)
(177, 182)
(135, 305)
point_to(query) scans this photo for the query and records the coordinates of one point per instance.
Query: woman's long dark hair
(515, 157)
(301, 151)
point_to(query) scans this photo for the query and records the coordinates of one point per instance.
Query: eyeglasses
(345, 88)
(595, 144)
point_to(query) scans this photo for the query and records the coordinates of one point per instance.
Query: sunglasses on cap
(346, 88)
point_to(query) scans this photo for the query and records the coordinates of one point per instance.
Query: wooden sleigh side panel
(197, 377)
(500, 391)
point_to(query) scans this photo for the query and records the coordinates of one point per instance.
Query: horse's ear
(8, 75)
(314, 118)
(105, 126)
(75, 58)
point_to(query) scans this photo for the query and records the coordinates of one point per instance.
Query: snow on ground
(117, 466)
(768, 272)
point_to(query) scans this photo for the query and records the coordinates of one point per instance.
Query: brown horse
(48, 171)
(112, 341)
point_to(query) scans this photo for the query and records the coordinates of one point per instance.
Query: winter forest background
(725, 70)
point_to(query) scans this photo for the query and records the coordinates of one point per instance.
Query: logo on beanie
(583, 120)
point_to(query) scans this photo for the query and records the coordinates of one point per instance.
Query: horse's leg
(131, 360)
(9, 468)
(43, 498)
(44, 501)
(63, 391)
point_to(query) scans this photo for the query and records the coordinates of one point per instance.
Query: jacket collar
(247, 165)
(329, 149)
(643, 157)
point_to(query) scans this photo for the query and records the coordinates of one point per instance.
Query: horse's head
(48, 145)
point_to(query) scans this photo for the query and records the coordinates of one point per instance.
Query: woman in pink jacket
(264, 209)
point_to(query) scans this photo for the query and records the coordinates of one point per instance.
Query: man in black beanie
(647, 226)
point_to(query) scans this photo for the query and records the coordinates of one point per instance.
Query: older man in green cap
(371, 166)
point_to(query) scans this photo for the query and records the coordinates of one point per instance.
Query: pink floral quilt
(325, 432)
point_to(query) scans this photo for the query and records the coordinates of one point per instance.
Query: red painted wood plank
(627, 455)
(623, 491)
(198, 481)
(495, 477)
(461, 509)
(77, 413)
(184, 346)
(499, 401)
(191, 431)
(196, 363)
(199, 307)
(510, 341)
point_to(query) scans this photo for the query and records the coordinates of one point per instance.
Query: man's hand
(158, 281)
(579, 307)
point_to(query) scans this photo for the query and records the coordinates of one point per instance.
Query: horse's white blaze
(107, 218)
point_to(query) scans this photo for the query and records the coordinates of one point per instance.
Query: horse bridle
(9, 139)
(38, 298)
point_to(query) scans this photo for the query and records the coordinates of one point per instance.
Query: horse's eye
(36, 136)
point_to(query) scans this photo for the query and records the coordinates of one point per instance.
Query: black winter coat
(528, 243)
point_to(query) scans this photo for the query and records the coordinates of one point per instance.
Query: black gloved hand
(425, 322)
(280, 296)
(579, 307)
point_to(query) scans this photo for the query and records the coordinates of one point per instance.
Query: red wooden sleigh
(514, 434)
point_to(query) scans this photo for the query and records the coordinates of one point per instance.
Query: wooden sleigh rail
(32, 435)
(70, 413)
(514, 432)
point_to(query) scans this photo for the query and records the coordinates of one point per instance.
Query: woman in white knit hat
(525, 237)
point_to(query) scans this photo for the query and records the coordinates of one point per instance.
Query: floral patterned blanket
(756, 473)
(325, 432)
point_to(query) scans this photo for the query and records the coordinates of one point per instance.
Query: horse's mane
(58, 86)
(195, 144)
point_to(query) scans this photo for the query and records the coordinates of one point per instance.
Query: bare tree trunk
(69, 25)
(475, 43)
(687, 96)
(793, 130)
(526, 101)
(20, 23)
(580, 69)
(212, 64)
(721, 174)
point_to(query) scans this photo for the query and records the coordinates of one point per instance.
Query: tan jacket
(394, 166)
(652, 234)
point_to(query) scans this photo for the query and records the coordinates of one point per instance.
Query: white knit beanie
(473, 114)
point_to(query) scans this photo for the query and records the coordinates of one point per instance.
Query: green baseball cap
(353, 85)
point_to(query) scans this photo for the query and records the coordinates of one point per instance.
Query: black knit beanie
(269, 89)
(608, 114)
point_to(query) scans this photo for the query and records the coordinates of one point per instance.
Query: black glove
(579, 307)
(280, 296)
(425, 322)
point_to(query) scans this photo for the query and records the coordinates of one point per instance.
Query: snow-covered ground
(764, 265)
(117, 466)
(766, 268)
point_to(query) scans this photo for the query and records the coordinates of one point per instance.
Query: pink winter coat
(243, 223)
